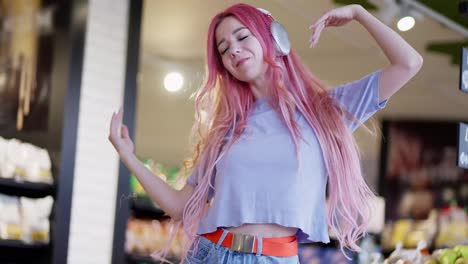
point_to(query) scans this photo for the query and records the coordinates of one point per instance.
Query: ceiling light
(406, 23)
(173, 82)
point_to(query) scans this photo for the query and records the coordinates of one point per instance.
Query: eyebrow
(233, 32)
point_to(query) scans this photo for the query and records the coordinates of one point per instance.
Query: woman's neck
(258, 88)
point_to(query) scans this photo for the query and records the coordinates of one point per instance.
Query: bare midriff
(264, 230)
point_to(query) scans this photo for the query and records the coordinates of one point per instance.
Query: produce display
(143, 237)
(456, 255)
(25, 219)
(24, 162)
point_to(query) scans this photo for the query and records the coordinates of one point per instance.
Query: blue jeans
(213, 253)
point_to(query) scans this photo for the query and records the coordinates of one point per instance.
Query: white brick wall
(96, 164)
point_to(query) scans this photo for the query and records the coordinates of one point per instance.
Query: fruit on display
(462, 250)
(448, 256)
(145, 236)
(453, 226)
(455, 255)
(413, 256)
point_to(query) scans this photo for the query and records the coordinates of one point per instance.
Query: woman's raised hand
(119, 136)
(333, 18)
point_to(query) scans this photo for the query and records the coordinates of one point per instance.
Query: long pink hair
(228, 102)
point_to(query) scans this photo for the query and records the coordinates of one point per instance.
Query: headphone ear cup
(280, 38)
(279, 34)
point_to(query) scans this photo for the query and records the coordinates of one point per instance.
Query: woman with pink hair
(272, 139)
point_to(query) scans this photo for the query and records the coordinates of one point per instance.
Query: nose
(235, 51)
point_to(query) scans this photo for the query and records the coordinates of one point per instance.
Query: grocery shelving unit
(13, 251)
(16, 251)
(28, 189)
(143, 208)
(132, 259)
(69, 40)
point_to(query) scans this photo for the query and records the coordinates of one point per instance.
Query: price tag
(464, 71)
(463, 146)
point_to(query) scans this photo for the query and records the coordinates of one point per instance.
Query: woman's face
(240, 51)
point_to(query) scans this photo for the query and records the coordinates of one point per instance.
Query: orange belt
(271, 246)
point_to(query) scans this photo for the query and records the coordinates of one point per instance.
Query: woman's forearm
(159, 191)
(397, 50)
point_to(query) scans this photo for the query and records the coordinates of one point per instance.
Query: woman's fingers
(125, 133)
(119, 122)
(320, 20)
(115, 125)
(317, 26)
(119, 116)
(119, 135)
(316, 35)
(111, 123)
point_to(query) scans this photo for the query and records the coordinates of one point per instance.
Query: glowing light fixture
(406, 23)
(173, 82)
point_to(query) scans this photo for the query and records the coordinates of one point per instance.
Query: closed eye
(240, 39)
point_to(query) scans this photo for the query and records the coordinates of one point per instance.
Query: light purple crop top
(257, 181)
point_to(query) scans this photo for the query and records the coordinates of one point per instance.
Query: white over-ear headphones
(279, 34)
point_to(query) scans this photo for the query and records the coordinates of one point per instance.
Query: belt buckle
(243, 243)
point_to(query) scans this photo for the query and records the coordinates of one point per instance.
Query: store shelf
(332, 244)
(28, 189)
(136, 259)
(143, 208)
(17, 252)
(18, 244)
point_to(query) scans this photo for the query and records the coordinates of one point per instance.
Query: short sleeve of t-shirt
(360, 98)
(193, 180)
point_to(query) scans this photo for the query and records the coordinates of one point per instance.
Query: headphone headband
(264, 11)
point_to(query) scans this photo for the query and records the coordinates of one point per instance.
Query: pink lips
(241, 61)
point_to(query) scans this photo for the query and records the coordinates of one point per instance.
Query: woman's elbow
(176, 218)
(182, 198)
(415, 63)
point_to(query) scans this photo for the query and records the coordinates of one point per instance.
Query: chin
(247, 78)
(242, 78)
